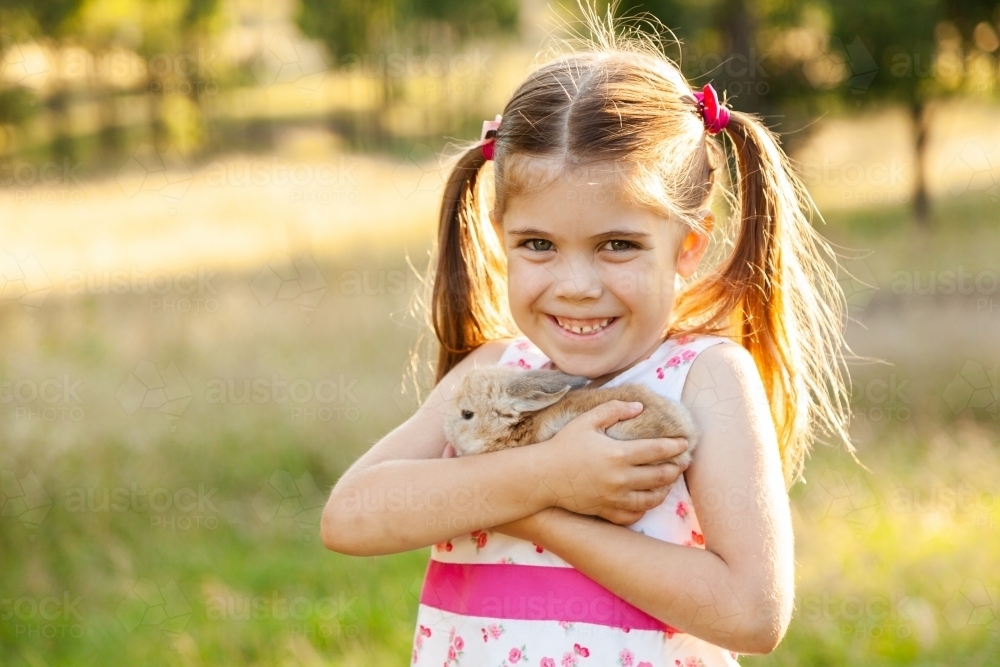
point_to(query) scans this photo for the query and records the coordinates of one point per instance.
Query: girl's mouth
(577, 328)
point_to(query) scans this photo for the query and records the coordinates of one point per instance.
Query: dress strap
(522, 353)
(671, 364)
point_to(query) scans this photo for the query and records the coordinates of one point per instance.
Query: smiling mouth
(583, 327)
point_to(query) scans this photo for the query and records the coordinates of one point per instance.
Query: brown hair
(620, 103)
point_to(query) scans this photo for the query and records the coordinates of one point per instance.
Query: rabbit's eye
(466, 414)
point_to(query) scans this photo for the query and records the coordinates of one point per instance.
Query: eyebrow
(532, 232)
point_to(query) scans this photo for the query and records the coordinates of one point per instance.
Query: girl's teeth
(585, 329)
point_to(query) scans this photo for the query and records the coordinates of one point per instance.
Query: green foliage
(901, 38)
(355, 27)
(17, 105)
(49, 18)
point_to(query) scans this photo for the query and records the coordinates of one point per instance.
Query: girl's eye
(466, 414)
(540, 245)
(619, 245)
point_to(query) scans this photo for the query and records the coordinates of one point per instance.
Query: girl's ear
(693, 246)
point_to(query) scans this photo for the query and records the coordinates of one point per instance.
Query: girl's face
(591, 276)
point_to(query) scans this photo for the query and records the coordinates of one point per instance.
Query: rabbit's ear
(531, 391)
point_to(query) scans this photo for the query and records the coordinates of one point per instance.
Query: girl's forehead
(526, 175)
(581, 202)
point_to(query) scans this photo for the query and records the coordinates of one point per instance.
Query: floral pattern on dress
(418, 641)
(697, 539)
(455, 646)
(492, 631)
(515, 655)
(682, 358)
(479, 538)
(511, 641)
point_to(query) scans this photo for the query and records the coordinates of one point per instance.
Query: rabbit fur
(500, 407)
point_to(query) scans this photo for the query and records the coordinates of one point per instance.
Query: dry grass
(894, 566)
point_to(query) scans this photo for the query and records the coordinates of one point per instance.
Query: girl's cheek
(526, 283)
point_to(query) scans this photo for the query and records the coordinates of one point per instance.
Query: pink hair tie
(489, 136)
(715, 114)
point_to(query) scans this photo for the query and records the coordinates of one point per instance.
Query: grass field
(167, 443)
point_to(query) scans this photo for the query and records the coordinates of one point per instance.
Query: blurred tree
(355, 27)
(375, 36)
(48, 20)
(793, 61)
(173, 38)
(921, 50)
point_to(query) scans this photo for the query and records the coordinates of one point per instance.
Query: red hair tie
(713, 112)
(489, 136)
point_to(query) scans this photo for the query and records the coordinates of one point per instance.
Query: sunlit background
(214, 215)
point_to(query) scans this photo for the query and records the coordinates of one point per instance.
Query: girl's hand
(591, 473)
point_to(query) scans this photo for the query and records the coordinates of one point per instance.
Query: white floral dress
(491, 600)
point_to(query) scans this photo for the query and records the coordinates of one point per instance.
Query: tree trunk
(62, 145)
(111, 134)
(739, 74)
(920, 115)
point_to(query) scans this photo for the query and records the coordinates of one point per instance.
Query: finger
(654, 450)
(622, 517)
(643, 501)
(449, 452)
(643, 478)
(610, 413)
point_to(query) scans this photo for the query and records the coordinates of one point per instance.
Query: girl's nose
(578, 281)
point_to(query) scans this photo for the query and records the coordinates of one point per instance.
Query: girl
(583, 550)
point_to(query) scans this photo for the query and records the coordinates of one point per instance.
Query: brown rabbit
(500, 407)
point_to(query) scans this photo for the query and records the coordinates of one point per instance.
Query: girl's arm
(736, 593)
(403, 495)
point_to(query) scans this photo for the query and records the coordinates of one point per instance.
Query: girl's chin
(581, 363)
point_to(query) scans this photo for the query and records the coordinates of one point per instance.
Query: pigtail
(469, 293)
(778, 296)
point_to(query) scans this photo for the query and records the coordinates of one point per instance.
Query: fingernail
(635, 405)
